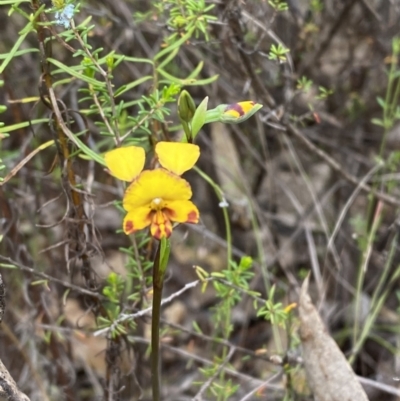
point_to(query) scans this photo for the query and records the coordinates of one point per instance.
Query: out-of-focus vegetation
(305, 185)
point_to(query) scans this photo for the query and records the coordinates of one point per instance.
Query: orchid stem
(155, 328)
(159, 268)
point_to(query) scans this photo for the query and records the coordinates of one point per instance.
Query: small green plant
(278, 53)
(238, 276)
(274, 312)
(230, 285)
(304, 84)
(278, 5)
(182, 18)
(324, 93)
(114, 287)
(114, 292)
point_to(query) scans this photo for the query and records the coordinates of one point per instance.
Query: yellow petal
(125, 163)
(152, 184)
(137, 219)
(182, 211)
(176, 156)
(161, 226)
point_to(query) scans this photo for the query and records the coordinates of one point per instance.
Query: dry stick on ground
(329, 374)
(8, 387)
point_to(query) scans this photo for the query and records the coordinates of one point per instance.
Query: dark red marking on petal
(157, 233)
(129, 226)
(169, 212)
(168, 228)
(235, 107)
(193, 217)
(161, 225)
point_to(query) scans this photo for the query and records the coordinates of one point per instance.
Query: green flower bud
(186, 107)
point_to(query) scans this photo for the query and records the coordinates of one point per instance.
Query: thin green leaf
(135, 59)
(130, 86)
(171, 78)
(76, 74)
(197, 70)
(381, 102)
(169, 58)
(8, 266)
(187, 81)
(25, 124)
(199, 117)
(14, 50)
(16, 2)
(172, 47)
(376, 121)
(19, 53)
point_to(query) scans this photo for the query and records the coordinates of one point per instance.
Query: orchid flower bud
(186, 106)
(236, 113)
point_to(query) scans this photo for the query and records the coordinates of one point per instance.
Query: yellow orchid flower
(158, 197)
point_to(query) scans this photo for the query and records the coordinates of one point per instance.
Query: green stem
(219, 193)
(362, 270)
(374, 214)
(188, 132)
(214, 115)
(390, 100)
(158, 281)
(377, 300)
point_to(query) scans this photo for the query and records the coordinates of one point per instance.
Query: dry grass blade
(25, 160)
(330, 376)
